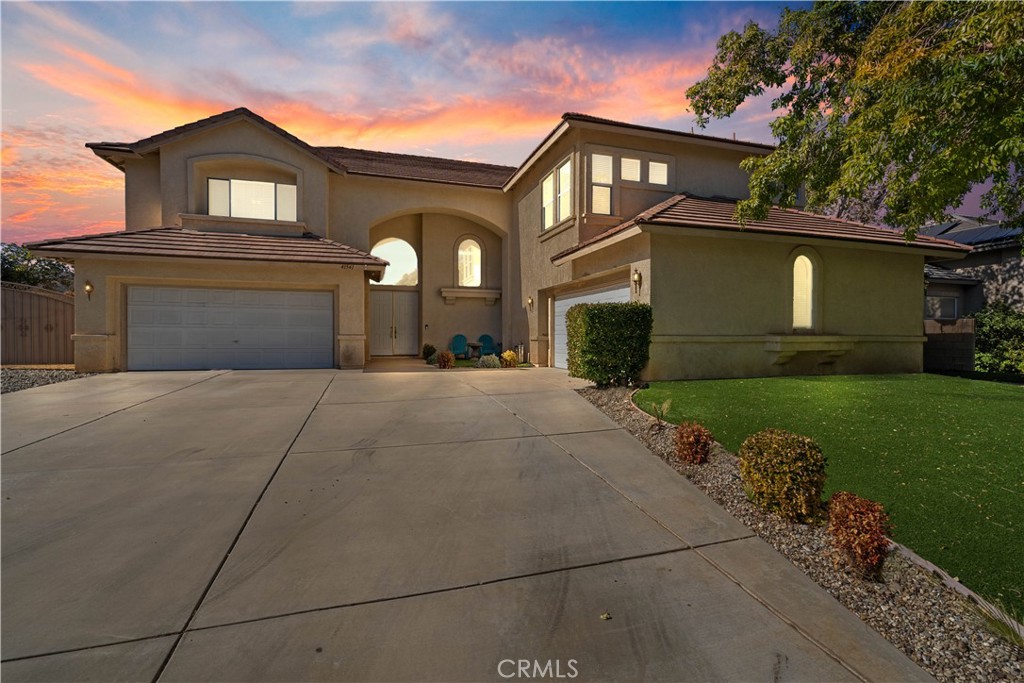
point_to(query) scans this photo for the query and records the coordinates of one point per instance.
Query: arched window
(803, 293)
(469, 263)
(404, 269)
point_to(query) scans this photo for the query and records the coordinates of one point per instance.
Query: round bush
(428, 351)
(432, 359)
(445, 360)
(693, 443)
(488, 361)
(783, 472)
(509, 359)
(859, 528)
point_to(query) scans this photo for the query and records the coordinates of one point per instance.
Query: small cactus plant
(509, 359)
(446, 360)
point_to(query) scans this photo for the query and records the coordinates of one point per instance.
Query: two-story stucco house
(245, 247)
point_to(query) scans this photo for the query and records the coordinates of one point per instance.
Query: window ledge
(450, 294)
(831, 347)
(251, 226)
(557, 229)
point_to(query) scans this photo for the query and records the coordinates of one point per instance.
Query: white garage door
(185, 328)
(618, 294)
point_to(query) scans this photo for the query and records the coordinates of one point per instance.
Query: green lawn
(945, 455)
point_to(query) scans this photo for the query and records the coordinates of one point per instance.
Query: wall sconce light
(638, 280)
(529, 302)
(88, 290)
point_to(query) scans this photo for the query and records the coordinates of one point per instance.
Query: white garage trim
(192, 328)
(617, 293)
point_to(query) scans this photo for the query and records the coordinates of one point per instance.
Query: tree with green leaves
(887, 110)
(21, 267)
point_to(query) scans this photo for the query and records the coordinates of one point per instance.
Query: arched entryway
(395, 301)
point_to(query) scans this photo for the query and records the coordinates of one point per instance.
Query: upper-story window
(556, 191)
(612, 167)
(251, 199)
(601, 176)
(470, 263)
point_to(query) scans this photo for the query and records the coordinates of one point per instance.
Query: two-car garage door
(611, 294)
(185, 328)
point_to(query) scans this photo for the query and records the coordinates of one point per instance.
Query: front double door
(394, 323)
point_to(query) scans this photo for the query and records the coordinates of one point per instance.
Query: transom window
(556, 191)
(403, 266)
(251, 199)
(469, 263)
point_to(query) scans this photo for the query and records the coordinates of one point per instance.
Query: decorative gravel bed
(935, 626)
(16, 379)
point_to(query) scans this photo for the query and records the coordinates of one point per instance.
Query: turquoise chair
(459, 347)
(487, 347)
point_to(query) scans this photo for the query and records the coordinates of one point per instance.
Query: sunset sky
(477, 81)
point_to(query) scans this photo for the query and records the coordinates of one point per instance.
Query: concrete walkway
(333, 525)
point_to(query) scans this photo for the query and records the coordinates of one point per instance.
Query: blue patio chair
(459, 347)
(487, 347)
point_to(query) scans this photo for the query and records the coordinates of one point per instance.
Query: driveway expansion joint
(238, 535)
(115, 412)
(441, 591)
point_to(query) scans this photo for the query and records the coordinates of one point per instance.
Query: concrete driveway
(332, 525)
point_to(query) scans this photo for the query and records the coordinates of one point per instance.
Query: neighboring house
(993, 271)
(245, 247)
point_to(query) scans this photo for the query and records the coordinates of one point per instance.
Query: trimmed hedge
(859, 527)
(784, 473)
(693, 443)
(609, 344)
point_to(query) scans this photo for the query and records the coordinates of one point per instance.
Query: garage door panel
(612, 294)
(194, 328)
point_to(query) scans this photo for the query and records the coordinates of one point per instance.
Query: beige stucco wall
(142, 193)
(435, 237)
(720, 303)
(247, 151)
(695, 168)
(100, 320)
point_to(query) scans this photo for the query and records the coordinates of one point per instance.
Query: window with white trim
(556, 194)
(601, 176)
(609, 167)
(251, 199)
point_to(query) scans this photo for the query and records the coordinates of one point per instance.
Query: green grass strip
(944, 455)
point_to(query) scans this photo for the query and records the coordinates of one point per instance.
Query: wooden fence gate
(37, 326)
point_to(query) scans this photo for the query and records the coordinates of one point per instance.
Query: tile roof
(575, 116)
(181, 243)
(341, 159)
(933, 273)
(147, 144)
(685, 210)
(432, 169)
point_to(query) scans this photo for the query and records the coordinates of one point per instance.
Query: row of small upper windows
(252, 199)
(556, 188)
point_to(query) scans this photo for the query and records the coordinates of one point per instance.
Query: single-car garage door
(186, 328)
(611, 294)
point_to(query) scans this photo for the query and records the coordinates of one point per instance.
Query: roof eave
(390, 176)
(545, 144)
